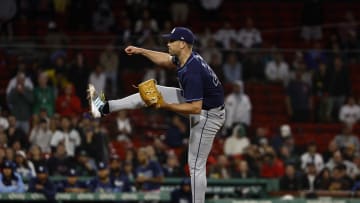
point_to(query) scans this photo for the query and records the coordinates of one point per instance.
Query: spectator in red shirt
(67, 103)
(272, 167)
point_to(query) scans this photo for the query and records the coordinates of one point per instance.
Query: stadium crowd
(45, 129)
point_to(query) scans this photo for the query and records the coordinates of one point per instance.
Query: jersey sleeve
(193, 90)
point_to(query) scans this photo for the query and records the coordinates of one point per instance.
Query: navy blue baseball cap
(182, 34)
(8, 164)
(41, 169)
(72, 172)
(102, 165)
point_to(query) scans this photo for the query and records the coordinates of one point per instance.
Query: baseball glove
(150, 94)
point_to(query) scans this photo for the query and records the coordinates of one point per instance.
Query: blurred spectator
(260, 136)
(125, 32)
(102, 183)
(36, 156)
(10, 181)
(349, 112)
(277, 70)
(298, 99)
(280, 138)
(254, 68)
(340, 180)
(42, 184)
(312, 20)
(232, 68)
(309, 177)
(41, 135)
(83, 164)
(4, 123)
(288, 155)
(242, 170)
(179, 11)
(129, 170)
(236, 143)
(98, 78)
(90, 142)
(340, 86)
(220, 170)
(149, 174)
(3, 140)
(271, 167)
(16, 134)
(225, 35)
(24, 167)
(249, 36)
(67, 136)
(44, 96)
(58, 71)
(182, 194)
(121, 181)
(328, 153)
(252, 155)
(103, 19)
(172, 167)
(313, 157)
(146, 25)
(322, 180)
(10, 154)
(290, 181)
(55, 39)
(175, 134)
(157, 73)
(211, 9)
(80, 69)
(160, 150)
(109, 59)
(210, 50)
(19, 78)
(315, 56)
(320, 90)
(347, 137)
(71, 184)
(59, 162)
(337, 159)
(238, 106)
(68, 103)
(20, 99)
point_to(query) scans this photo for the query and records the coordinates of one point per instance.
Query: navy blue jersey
(95, 185)
(199, 82)
(62, 185)
(151, 170)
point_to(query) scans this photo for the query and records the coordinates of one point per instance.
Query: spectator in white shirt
(350, 112)
(238, 106)
(66, 135)
(98, 78)
(277, 70)
(249, 36)
(237, 142)
(41, 135)
(124, 126)
(312, 157)
(19, 76)
(225, 35)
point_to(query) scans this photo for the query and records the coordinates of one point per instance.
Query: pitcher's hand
(130, 50)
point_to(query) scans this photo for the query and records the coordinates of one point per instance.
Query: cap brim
(166, 36)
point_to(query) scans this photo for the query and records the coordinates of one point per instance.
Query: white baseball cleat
(95, 101)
